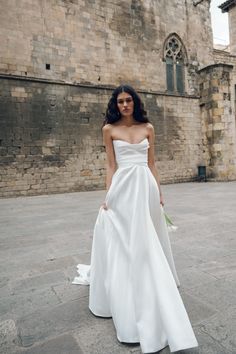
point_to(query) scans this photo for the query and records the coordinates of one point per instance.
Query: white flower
(170, 226)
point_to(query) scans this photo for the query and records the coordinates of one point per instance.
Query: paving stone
(184, 261)
(219, 294)
(53, 263)
(197, 249)
(5, 290)
(42, 324)
(65, 247)
(8, 336)
(197, 310)
(221, 327)
(33, 283)
(91, 339)
(3, 281)
(189, 278)
(27, 302)
(207, 345)
(223, 267)
(65, 344)
(16, 241)
(69, 291)
(19, 265)
(39, 305)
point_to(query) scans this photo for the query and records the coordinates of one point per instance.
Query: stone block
(23, 304)
(191, 277)
(218, 126)
(207, 344)
(221, 328)
(43, 324)
(59, 345)
(32, 283)
(8, 336)
(216, 147)
(197, 309)
(222, 294)
(70, 292)
(91, 339)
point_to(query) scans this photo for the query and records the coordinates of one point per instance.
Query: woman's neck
(128, 121)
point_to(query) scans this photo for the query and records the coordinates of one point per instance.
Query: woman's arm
(110, 161)
(151, 159)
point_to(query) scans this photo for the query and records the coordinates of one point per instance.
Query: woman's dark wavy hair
(112, 113)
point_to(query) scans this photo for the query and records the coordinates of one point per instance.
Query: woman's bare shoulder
(149, 127)
(107, 131)
(107, 127)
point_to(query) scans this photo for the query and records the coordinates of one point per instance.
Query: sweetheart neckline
(124, 141)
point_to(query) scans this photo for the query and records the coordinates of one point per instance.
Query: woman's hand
(104, 206)
(161, 200)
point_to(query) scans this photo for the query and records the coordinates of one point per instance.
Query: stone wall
(178, 136)
(228, 58)
(102, 41)
(218, 121)
(50, 137)
(58, 62)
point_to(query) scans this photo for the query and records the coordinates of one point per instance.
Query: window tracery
(174, 56)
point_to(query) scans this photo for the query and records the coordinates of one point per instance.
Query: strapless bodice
(131, 154)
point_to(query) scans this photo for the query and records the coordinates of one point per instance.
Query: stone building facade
(61, 59)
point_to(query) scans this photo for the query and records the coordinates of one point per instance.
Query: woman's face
(125, 104)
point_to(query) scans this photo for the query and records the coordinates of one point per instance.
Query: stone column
(232, 30)
(230, 7)
(218, 121)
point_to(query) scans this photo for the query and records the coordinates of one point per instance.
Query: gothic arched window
(174, 56)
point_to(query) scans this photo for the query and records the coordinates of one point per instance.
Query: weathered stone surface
(8, 336)
(75, 159)
(32, 283)
(23, 303)
(223, 267)
(221, 328)
(125, 42)
(219, 294)
(60, 345)
(54, 92)
(69, 292)
(96, 344)
(217, 140)
(191, 277)
(196, 308)
(43, 324)
(39, 306)
(207, 345)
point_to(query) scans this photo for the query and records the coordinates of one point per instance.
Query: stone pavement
(43, 238)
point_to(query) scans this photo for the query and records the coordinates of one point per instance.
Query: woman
(132, 273)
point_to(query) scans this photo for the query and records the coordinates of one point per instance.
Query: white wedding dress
(132, 275)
